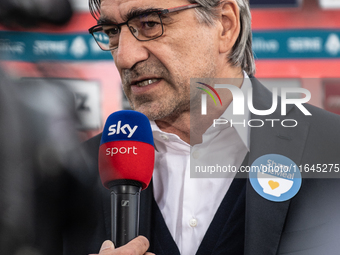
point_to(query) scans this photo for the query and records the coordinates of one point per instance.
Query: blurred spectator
(37, 134)
(23, 13)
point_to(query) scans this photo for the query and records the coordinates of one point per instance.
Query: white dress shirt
(188, 205)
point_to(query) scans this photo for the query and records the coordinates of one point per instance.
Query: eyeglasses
(144, 27)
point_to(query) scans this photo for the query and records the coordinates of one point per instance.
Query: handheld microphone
(126, 161)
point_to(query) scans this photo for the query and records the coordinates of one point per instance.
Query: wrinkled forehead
(118, 10)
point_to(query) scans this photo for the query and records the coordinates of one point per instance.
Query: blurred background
(292, 40)
(45, 110)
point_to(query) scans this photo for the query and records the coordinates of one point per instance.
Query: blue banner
(287, 44)
(33, 47)
(296, 44)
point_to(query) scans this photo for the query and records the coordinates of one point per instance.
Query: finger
(137, 246)
(107, 247)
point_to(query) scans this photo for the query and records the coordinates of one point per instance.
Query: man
(158, 46)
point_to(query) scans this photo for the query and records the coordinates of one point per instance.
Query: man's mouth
(146, 82)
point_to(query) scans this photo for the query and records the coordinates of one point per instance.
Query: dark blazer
(307, 224)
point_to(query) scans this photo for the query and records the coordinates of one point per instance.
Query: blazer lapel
(265, 219)
(153, 226)
(145, 215)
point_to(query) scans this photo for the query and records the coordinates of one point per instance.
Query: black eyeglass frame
(92, 30)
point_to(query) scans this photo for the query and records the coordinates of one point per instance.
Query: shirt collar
(242, 130)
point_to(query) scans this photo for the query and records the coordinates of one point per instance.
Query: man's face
(156, 74)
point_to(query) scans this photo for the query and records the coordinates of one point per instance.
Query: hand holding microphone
(126, 161)
(138, 245)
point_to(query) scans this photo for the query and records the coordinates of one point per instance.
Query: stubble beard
(157, 107)
(171, 105)
(168, 106)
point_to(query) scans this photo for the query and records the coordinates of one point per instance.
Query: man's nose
(130, 51)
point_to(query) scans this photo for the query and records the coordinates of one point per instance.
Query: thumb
(107, 245)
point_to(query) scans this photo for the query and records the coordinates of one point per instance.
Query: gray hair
(242, 53)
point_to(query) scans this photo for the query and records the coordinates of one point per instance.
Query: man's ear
(229, 18)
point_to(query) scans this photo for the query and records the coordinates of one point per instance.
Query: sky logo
(204, 97)
(118, 128)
